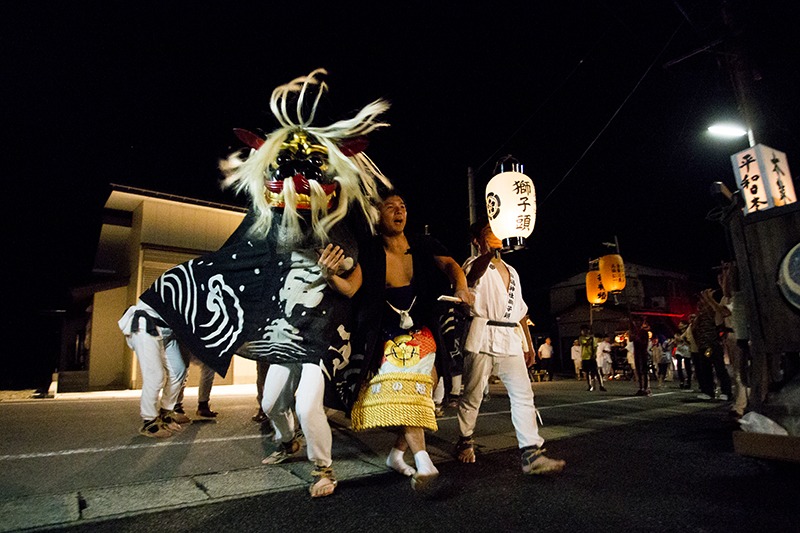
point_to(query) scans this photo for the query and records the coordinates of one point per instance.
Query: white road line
(64, 453)
(563, 405)
(126, 447)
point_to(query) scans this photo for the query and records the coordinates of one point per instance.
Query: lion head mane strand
(294, 106)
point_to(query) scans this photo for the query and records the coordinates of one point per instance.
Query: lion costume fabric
(262, 295)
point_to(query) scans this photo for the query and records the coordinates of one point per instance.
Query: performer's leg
(206, 383)
(311, 414)
(179, 402)
(477, 368)
(204, 392)
(455, 391)
(176, 371)
(426, 470)
(277, 401)
(261, 374)
(314, 422)
(396, 460)
(148, 352)
(514, 375)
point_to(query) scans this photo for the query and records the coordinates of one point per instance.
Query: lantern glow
(511, 206)
(612, 272)
(763, 177)
(595, 292)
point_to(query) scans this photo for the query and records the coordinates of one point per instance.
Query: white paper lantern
(763, 177)
(511, 206)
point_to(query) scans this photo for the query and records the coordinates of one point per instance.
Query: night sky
(146, 94)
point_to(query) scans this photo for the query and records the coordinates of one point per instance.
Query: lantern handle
(510, 161)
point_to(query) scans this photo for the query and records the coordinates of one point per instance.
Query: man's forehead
(393, 201)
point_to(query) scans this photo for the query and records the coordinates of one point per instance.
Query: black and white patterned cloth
(260, 299)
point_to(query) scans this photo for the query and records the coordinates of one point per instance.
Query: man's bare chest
(399, 269)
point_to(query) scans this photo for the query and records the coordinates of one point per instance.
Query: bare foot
(465, 450)
(467, 455)
(323, 487)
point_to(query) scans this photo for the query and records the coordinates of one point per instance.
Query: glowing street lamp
(731, 130)
(511, 204)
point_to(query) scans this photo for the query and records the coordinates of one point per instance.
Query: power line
(614, 115)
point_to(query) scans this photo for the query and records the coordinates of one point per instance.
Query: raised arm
(456, 276)
(330, 261)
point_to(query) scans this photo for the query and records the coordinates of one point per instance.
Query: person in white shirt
(576, 358)
(604, 358)
(498, 337)
(629, 355)
(546, 356)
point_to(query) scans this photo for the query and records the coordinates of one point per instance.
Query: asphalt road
(664, 463)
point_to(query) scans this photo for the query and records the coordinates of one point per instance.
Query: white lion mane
(357, 176)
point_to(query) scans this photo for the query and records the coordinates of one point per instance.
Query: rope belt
(150, 323)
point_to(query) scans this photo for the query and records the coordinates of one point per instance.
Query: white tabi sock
(396, 462)
(424, 464)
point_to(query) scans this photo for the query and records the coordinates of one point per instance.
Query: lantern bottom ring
(513, 243)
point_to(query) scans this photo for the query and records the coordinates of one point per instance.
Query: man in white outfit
(546, 356)
(162, 365)
(498, 337)
(575, 353)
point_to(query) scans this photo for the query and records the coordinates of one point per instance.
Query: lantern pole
(473, 205)
(615, 245)
(625, 288)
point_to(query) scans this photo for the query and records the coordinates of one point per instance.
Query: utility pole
(740, 69)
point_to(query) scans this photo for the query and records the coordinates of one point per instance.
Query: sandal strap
(291, 447)
(324, 472)
(530, 453)
(465, 443)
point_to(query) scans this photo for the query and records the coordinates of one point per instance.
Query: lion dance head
(312, 173)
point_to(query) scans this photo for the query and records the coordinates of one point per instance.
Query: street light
(731, 130)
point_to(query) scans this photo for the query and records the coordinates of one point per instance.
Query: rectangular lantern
(762, 174)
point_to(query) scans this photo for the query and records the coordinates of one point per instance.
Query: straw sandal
(534, 462)
(285, 451)
(325, 483)
(465, 450)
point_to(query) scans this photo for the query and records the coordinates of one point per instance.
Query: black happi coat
(373, 315)
(260, 299)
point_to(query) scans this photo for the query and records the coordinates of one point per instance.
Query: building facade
(144, 233)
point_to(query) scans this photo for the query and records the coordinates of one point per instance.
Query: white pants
(163, 368)
(512, 372)
(303, 387)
